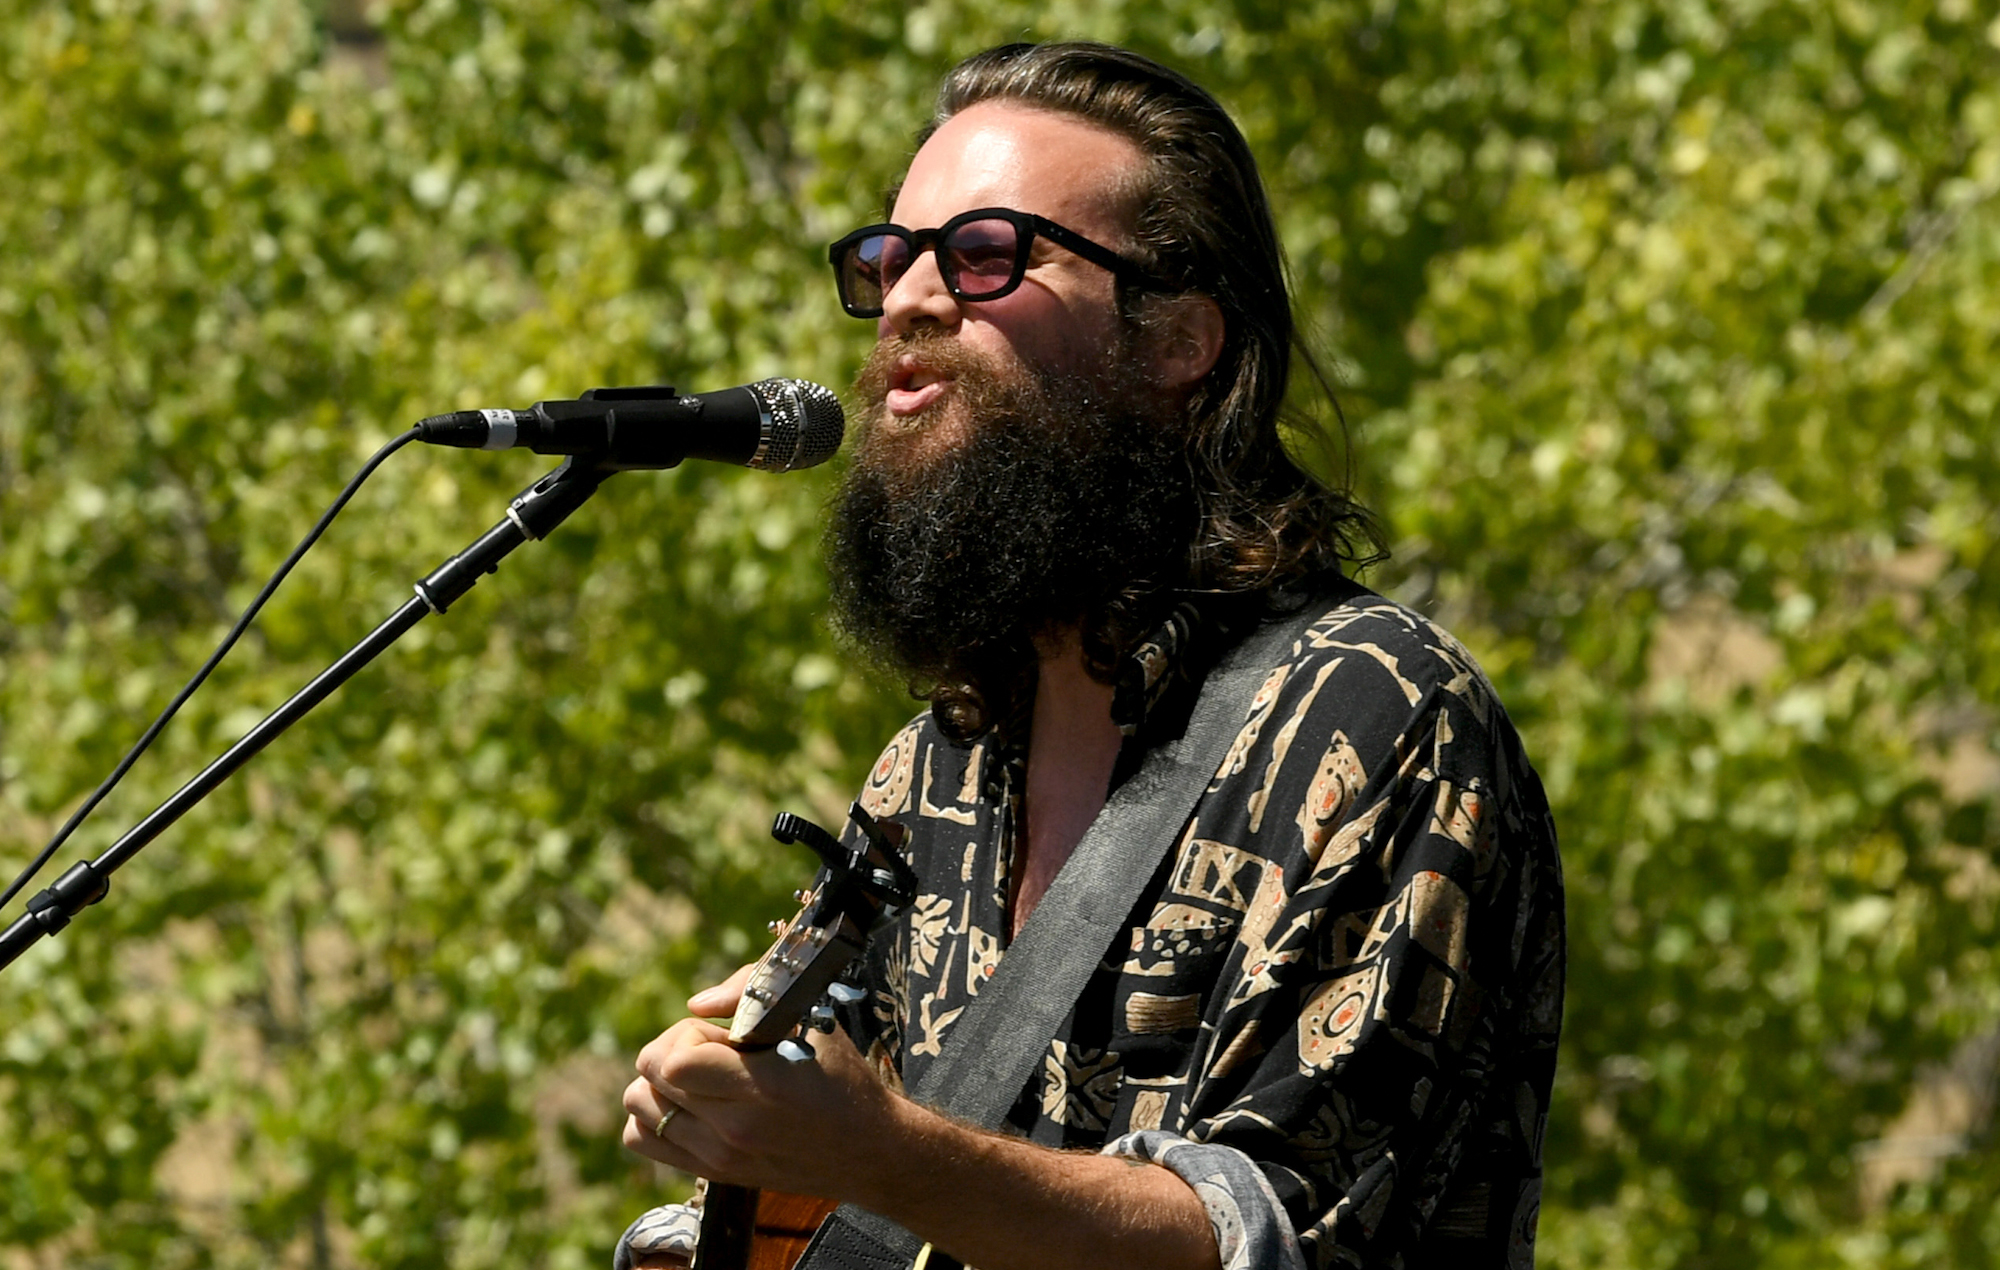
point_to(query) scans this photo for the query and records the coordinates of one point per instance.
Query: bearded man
(1324, 1032)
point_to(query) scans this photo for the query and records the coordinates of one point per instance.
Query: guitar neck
(747, 1229)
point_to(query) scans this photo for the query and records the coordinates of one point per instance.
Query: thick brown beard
(1018, 503)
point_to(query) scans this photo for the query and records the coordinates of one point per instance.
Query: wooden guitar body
(756, 1230)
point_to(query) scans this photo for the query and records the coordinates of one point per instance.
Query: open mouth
(913, 386)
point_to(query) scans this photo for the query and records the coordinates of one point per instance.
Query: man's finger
(651, 1107)
(660, 1053)
(720, 1001)
(689, 1144)
(640, 1140)
(694, 1060)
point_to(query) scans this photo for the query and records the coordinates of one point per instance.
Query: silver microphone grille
(806, 424)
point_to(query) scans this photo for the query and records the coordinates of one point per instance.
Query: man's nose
(919, 298)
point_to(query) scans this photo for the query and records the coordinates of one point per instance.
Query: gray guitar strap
(995, 1046)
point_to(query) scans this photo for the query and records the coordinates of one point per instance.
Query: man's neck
(1072, 748)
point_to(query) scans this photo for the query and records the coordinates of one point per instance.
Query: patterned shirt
(1334, 1008)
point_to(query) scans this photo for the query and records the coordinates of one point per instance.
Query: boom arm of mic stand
(533, 514)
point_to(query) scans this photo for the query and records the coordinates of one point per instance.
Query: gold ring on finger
(660, 1126)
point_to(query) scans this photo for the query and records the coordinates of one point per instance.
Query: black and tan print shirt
(1335, 1008)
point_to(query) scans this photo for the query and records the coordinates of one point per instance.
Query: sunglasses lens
(980, 259)
(870, 269)
(983, 256)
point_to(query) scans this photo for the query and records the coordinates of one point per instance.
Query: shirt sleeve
(671, 1230)
(1384, 1043)
(1252, 1229)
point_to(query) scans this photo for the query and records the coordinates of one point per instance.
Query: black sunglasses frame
(1026, 225)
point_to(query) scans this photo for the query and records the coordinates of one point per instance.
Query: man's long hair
(1205, 226)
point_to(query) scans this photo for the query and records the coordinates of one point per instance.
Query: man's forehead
(1006, 154)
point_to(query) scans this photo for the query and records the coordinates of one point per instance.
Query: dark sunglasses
(981, 254)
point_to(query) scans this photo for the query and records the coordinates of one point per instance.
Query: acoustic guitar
(743, 1228)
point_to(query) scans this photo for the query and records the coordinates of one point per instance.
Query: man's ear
(1187, 338)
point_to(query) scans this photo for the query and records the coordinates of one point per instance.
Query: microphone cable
(201, 676)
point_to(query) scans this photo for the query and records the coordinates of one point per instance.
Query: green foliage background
(1669, 331)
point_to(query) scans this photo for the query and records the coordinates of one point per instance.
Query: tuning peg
(820, 1018)
(793, 1052)
(846, 993)
(790, 828)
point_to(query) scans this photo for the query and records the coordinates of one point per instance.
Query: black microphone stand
(533, 514)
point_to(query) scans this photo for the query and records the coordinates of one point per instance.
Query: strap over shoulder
(994, 1047)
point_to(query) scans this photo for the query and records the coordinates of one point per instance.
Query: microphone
(775, 425)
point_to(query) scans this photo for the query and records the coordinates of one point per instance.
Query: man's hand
(753, 1118)
(830, 1128)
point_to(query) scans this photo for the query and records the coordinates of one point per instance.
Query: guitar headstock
(853, 887)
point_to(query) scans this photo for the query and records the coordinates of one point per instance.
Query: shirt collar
(1150, 671)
